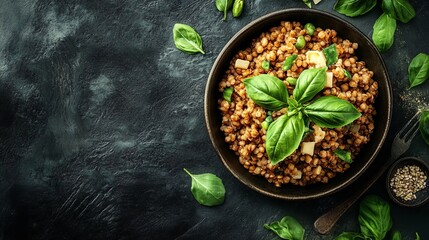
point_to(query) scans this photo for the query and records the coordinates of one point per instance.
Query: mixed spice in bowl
(298, 104)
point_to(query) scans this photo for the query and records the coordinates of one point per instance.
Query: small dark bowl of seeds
(408, 182)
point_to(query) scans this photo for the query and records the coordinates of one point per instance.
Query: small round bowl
(422, 196)
(366, 52)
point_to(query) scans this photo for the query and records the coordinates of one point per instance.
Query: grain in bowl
(291, 56)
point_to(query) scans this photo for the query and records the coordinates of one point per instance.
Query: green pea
(291, 81)
(265, 125)
(309, 29)
(300, 42)
(265, 65)
(237, 8)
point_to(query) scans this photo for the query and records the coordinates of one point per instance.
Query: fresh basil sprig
(267, 91)
(331, 112)
(401, 10)
(223, 6)
(374, 217)
(354, 8)
(351, 236)
(383, 32)
(331, 54)
(207, 189)
(344, 155)
(187, 39)
(287, 228)
(283, 137)
(424, 126)
(310, 82)
(418, 70)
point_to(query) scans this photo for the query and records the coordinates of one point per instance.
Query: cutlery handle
(324, 223)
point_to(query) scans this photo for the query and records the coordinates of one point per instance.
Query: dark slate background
(99, 114)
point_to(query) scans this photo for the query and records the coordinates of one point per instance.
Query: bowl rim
(389, 95)
(399, 162)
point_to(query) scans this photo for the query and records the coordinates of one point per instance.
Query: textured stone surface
(99, 114)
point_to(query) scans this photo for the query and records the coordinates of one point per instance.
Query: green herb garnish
(331, 54)
(374, 217)
(347, 74)
(418, 70)
(207, 189)
(424, 126)
(384, 31)
(287, 228)
(354, 8)
(187, 39)
(344, 155)
(289, 62)
(223, 6)
(401, 10)
(227, 93)
(267, 91)
(237, 8)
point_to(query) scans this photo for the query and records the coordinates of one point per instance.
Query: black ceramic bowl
(366, 52)
(422, 196)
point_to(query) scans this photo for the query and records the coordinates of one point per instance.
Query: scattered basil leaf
(417, 236)
(223, 6)
(289, 62)
(283, 137)
(287, 228)
(291, 80)
(347, 74)
(237, 8)
(310, 82)
(307, 2)
(267, 91)
(331, 54)
(396, 235)
(187, 39)
(309, 29)
(374, 217)
(265, 65)
(418, 70)
(331, 112)
(383, 32)
(207, 189)
(401, 10)
(344, 155)
(227, 93)
(350, 236)
(424, 126)
(354, 8)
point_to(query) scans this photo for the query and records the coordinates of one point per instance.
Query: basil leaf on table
(396, 236)
(187, 39)
(331, 112)
(401, 10)
(207, 189)
(374, 217)
(354, 8)
(417, 236)
(310, 82)
(344, 155)
(350, 236)
(383, 32)
(289, 62)
(287, 228)
(331, 54)
(267, 91)
(283, 137)
(223, 6)
(227, 93)
(418, 70)
(307, 2)
(237, 8)
(424, 126)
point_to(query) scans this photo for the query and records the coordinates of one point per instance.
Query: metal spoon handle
(324, 223)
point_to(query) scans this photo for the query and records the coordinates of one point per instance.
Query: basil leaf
(267, 91)
(374, 217)
(344, 155)
(283, 137)
(396, 236)
(187, 39)
(289, 62)
(287, 228)
(331, 54)
(401, 10)
(417, 236)
(310, 82)
(347, 74)
(307, 2)
(207, 189)
(227, 93)
(350, 236)
(354, 8)
(424, 126)
(331, 112)
(418, 70)
(223, 6)
(265, 65)
(383, 32)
